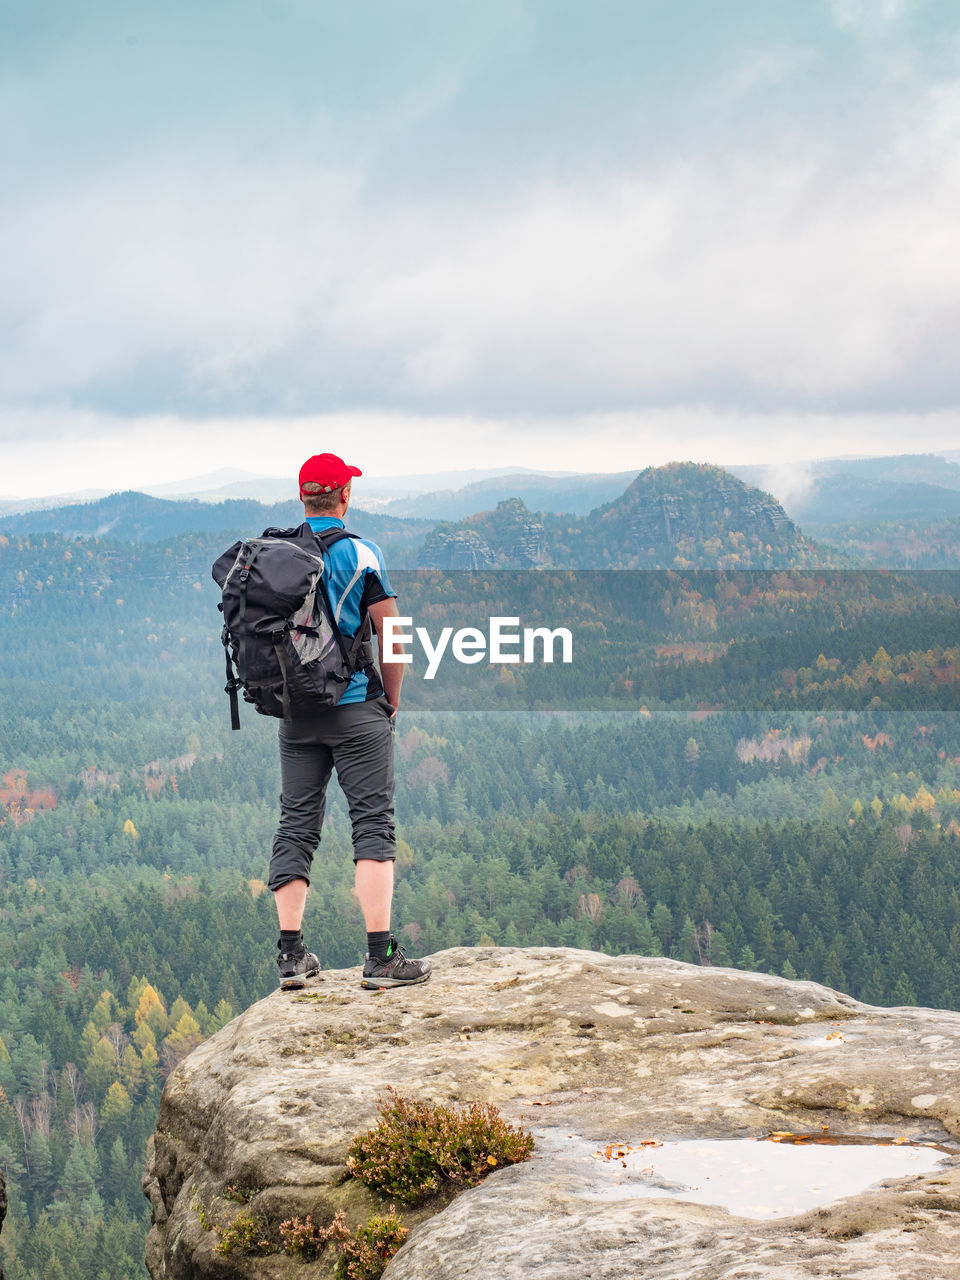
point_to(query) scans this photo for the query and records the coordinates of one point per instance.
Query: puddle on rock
(751, 1178)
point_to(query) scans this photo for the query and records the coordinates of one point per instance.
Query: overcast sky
(444, 233)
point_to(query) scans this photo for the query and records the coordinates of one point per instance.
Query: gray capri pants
(358, 741)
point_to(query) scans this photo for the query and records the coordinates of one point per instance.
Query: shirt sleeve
(376, 583)
(373, 592)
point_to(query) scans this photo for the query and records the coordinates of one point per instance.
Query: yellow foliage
(187, 1029)
(923, 800)
(144, 1036)
(151, 1009)
(117, 1105)
(881, 660)
(149, 1057)
(178, 1009)
(131, 1070)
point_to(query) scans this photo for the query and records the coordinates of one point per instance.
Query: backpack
(281, 644)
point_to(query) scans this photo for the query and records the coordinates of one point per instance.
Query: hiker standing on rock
(356, 737)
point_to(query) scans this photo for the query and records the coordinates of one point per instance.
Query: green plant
(302, 1238)
(239, 1191)
(201, 1212)
(243, 1234)
(365, 1256)
(415, 1150)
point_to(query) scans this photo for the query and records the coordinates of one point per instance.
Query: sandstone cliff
(510, 537)
(586, 1050)
(688, 515)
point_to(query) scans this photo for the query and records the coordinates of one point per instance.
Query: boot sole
(383, 984)
(296, 981)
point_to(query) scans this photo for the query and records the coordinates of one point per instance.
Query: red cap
(328, 471)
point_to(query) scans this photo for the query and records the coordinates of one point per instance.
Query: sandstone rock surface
(582, 1048)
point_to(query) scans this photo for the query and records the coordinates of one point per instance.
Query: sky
(432, 234)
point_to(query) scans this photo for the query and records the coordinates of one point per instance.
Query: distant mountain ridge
(578, 494)
(138, 517)
(691, 514)
(682, 515)
(903, 487)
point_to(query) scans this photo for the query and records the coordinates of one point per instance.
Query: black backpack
(281, 643)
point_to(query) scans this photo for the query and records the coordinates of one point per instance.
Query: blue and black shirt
(358, 579)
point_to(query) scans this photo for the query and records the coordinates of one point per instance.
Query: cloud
(789, 482)
(479, 221)
(800, 281)
(871, 17)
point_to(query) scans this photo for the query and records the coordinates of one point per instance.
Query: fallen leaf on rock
(535, 1102)
(617, 1150)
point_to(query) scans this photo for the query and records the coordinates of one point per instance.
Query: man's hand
(391, 671)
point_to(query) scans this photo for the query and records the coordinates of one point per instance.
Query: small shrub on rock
(244, 1235)
(239, 1191)
(365, 1256)
(416, 1150)
(301, 1238)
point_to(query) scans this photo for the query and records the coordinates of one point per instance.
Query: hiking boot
(296, 967)
(396, 971)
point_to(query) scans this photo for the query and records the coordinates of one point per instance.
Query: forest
(757, 769)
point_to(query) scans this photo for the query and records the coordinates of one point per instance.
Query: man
(356, 737)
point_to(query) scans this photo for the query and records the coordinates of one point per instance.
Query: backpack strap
(232, 683)
(327, 538)
(249, 554)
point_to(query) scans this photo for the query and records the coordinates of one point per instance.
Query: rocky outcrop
(685, 514)
(690, 504)
(527, 548)
(508, 538)
(455, 549)
(585, 1050)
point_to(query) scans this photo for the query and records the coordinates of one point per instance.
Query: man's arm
(391, 672)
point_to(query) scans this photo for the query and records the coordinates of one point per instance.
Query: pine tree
(76, 1182)
(115, 1112)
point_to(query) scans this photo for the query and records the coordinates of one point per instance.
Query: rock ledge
(564, 1041)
